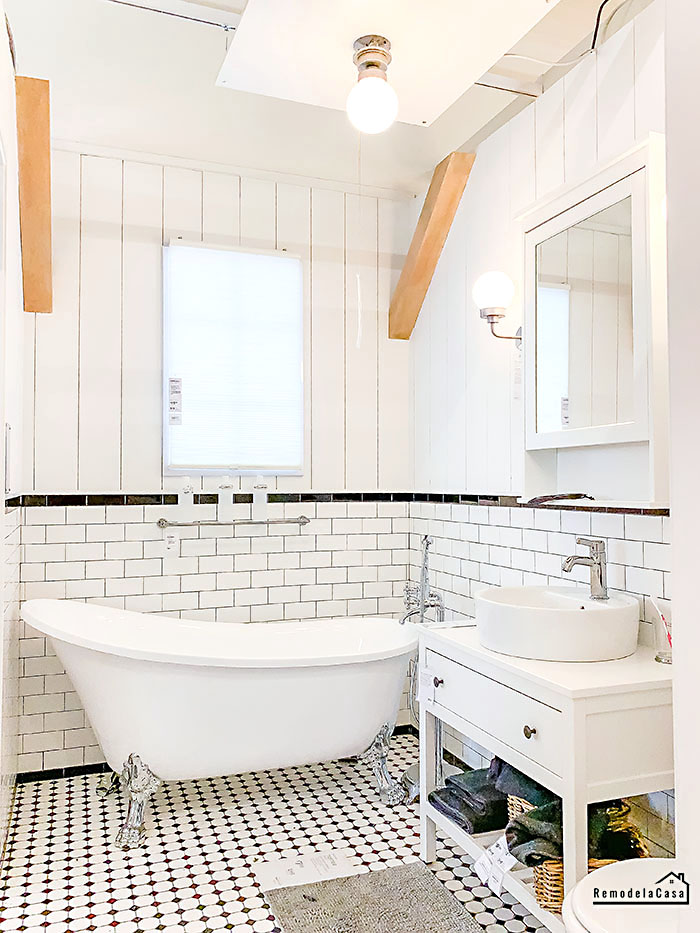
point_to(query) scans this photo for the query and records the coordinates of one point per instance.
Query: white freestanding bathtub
(172, 699)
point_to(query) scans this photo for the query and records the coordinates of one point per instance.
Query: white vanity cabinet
(588, 731)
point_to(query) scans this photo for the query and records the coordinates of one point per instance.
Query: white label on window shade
(175, 400)
(564, 412)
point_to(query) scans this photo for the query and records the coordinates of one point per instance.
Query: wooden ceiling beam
(34, 162)
(441, 202)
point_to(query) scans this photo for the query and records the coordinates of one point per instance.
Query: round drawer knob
(528, 732)
(437, 681)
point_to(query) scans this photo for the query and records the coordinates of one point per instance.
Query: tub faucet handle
(411, 595)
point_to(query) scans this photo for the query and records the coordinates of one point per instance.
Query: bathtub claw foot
(139, 784)
(108, 784)
(391, 792)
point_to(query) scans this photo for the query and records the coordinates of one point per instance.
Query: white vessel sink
(556, 623)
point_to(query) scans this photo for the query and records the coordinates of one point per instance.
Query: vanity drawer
(500, 711)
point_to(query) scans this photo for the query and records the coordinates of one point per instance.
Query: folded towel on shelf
(455, 806)
(509, 780)
(536, 836)
(478, 791)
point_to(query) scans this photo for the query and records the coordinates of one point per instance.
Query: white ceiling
(301, 50)
(221, 12)
(129, 79)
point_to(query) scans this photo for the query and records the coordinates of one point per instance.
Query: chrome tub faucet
(596, 560)
(418, 597)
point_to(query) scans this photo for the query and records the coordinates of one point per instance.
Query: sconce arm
(518, 336)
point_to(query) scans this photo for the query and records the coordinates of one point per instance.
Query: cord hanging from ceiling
(191, 19)
(571, 61)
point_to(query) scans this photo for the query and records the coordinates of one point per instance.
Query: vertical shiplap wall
(93, 388)
(467, 395)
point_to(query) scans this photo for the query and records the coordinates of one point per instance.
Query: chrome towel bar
(302, 520)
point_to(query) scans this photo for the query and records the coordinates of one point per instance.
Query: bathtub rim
(406, 644)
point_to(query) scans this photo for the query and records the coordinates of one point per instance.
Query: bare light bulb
(493, 290)
(372, 105)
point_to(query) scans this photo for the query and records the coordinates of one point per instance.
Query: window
(233, 361)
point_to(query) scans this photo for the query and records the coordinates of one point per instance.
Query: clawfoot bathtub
(172, 699)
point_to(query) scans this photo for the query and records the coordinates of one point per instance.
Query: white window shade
(233, 335)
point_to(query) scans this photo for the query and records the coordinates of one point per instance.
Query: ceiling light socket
(372, 56)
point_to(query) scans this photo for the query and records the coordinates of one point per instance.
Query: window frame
(165, 433)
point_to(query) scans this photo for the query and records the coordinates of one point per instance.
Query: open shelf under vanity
(589, 732)
(519, 881)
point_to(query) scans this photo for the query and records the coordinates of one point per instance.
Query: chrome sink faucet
(597, 561)
(418, 597)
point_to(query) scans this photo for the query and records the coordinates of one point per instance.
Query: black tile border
(407, 729)
(53, 774)
(116, 499)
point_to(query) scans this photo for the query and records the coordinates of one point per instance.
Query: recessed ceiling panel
(301, 50)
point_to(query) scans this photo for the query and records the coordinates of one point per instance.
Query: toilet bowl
(635, 896)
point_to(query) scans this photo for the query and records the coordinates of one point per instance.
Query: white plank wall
(93, 391)
(141, 290)
(54, 347)
(328, 331)
(467, 403)
(361, 361)
(395, 411)
(99, 330)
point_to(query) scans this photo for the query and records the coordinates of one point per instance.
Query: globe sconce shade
(493, 292)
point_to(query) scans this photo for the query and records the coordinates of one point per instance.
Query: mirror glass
(583, 322)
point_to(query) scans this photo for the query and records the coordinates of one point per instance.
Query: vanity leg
(575, 840)
(139, 784)
(391, 792)
(428, 781)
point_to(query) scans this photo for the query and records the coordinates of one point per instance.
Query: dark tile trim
(407, 729)
(53, 774)
(106, 500)
(454, 760)
(247, 498)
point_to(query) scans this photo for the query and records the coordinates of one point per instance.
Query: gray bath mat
(405, 899)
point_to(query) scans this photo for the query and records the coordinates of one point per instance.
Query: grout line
(345, 340)
(80, 306)
(121, 339)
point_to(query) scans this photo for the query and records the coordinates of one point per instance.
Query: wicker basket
(549, 876)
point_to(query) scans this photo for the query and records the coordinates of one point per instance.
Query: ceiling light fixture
(372, 104)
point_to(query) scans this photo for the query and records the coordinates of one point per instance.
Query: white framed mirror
(588, 288)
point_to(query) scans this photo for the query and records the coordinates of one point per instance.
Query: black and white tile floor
(195, 872)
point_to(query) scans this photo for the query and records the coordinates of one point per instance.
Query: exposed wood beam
(441, 203)
(34, 157)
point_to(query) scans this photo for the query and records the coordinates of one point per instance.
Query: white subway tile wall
(477, 546)
(11, 665)
(352, 559)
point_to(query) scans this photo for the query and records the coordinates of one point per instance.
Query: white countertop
(571, 678)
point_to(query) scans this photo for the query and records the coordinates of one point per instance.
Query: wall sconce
(493, 294)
